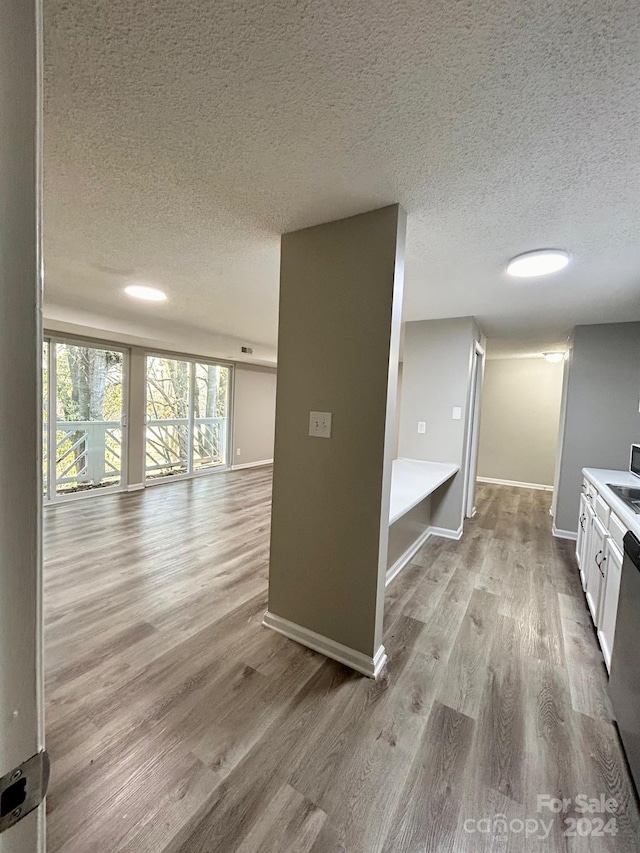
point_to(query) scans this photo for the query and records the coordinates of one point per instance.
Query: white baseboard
(252, 464)
(564, 534)
(402, 561)
(412, 550)
(135, 487)
(370, 666)
(447, 533)
(516, 483)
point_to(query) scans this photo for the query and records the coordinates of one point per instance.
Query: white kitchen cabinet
(584, 522)
(594, 569)
(603, 510)
(599, 549)
(609, 603)
(617, 531)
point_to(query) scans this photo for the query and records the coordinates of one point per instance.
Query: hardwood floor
(176, 722)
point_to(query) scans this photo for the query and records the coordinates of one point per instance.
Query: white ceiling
(182, 138)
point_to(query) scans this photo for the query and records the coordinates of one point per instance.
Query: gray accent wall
(136, 430)
(254, 414)
(520, 420)
(410, 527)
(338, 342)
(436, 377)
(601, 420)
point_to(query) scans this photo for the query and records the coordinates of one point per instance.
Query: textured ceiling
(181, 139)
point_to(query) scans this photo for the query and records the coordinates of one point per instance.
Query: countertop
(600, 477)
(412, 480)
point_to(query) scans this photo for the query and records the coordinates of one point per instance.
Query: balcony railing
(169, 445)
(89, 453)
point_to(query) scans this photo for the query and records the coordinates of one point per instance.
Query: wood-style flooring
(176, 722)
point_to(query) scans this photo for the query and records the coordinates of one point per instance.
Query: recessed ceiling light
(554, 356)
(540, 262)
(141, 291)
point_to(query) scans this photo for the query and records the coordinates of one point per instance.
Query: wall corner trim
(369, 666)
(258, 464)
(563, 534)
(446, 533)
(516, 483)
(135, 487)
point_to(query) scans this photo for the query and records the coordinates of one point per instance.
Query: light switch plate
(320, 424)
(422, 427)
(457, 413)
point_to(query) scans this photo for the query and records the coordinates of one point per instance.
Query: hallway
(176, 722)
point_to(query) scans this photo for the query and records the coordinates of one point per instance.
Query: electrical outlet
(238, 451)
(457, 413)
(422, 427)
(320, 424)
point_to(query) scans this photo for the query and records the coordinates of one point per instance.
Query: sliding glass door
(210, 416)
(187, 416)
(168, 402)
(82, 417)
(84, 440)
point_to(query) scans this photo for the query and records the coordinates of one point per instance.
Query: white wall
(519, 421)
(151, 334)
(254, 415)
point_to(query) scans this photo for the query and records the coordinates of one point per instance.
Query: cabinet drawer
(590, 492)
(617, 530)
(602, 510)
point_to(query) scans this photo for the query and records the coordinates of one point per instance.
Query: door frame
(21, 650)
(473, 429)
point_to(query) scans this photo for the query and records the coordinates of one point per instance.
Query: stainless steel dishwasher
(624, 682)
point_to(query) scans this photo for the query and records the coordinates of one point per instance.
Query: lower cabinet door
(609, 604)
(594, 569)
(584, 520)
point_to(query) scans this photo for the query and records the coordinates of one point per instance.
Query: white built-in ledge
(413, 480)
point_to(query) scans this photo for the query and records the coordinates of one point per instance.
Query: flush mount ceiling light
(540, 262)
(141, 291)
(554, 357)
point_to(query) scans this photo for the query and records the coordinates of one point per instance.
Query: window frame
(51, 496)
(190, 473)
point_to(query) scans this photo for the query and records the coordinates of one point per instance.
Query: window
(82, 417)
(211, 421)
(187, 416)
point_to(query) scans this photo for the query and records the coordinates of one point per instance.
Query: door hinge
(23, 789)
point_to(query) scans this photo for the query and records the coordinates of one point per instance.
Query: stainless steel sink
(630, 496)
